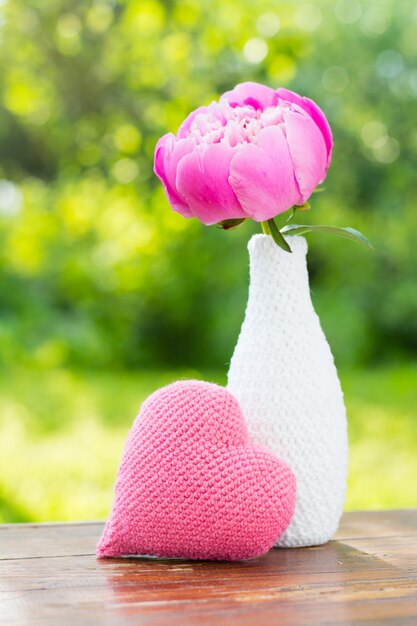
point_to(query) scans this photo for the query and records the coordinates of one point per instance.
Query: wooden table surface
(367, 575)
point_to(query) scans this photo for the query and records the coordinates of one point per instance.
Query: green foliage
(70, 428)
(95, 268)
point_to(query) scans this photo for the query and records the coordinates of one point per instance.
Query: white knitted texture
(282, 373)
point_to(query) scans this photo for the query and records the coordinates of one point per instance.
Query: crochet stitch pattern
(191, 485)
(283, 375)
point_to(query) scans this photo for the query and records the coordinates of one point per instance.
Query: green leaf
(319, 189)
(290, 217)
(232, 223)
(277, 235)
(348, 233)
(302, 207)
(298, 207)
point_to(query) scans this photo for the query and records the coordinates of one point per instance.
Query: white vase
(283, 374)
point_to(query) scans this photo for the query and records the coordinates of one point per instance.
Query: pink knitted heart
(191, 485)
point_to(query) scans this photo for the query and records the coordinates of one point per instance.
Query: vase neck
(279, 285)
(274, 268)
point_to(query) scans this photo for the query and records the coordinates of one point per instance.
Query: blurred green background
(106, 294)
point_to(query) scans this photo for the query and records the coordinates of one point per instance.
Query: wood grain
(367, 575)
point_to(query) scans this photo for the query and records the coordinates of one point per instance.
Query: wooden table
(368, 575)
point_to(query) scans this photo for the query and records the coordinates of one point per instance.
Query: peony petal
(168, 153)
(184, 129)
(252, 94)
(307, 149)
(202, 179)
(315, 113)
(262, 176)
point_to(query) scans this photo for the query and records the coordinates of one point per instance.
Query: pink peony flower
(255, 153)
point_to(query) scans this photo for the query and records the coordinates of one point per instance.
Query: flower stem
(265, 228)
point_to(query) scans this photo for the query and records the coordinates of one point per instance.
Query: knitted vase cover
(283, 375)
(191, 485)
